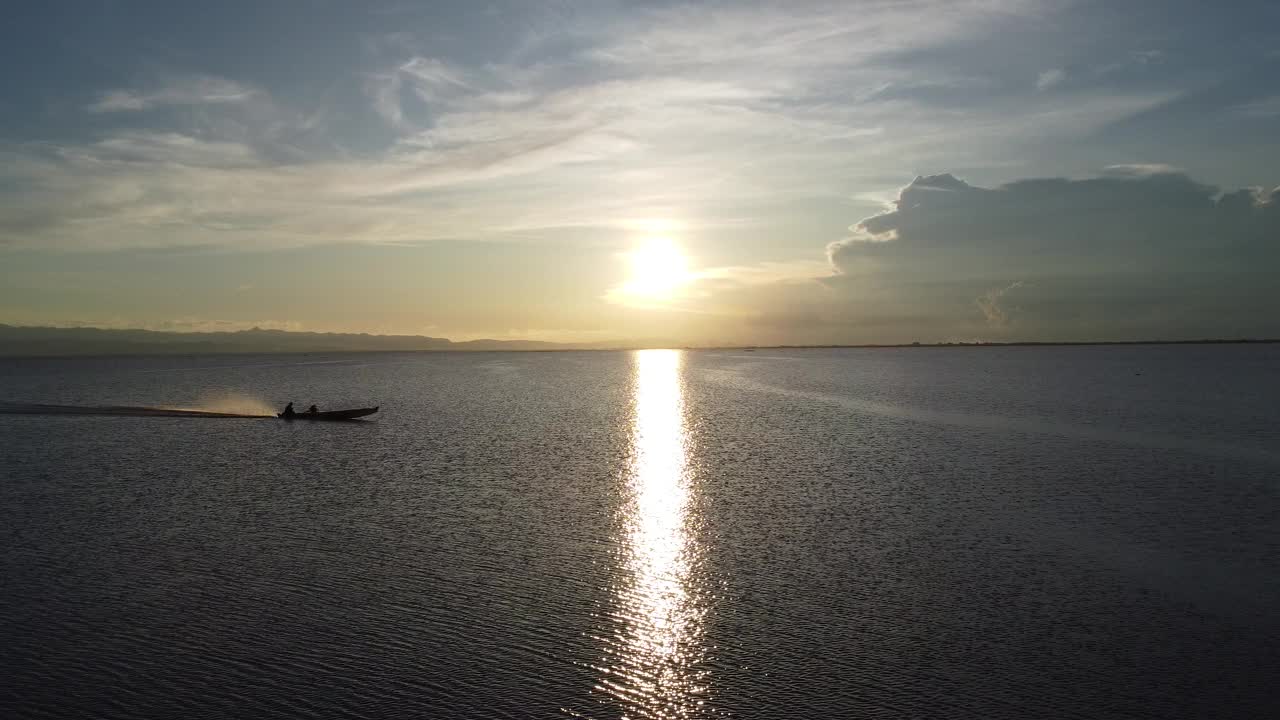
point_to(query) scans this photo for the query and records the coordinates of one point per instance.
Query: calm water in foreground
(951, 533)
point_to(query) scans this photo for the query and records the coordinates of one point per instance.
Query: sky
(696, 173)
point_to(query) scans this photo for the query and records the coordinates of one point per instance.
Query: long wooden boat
(330, 414)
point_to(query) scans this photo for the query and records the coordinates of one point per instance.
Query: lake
(1020, 532)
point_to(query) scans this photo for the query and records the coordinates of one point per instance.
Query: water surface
(1074, 532)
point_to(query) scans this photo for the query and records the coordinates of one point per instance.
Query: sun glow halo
(658, 270)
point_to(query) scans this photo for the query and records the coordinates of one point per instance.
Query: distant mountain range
(18, 340)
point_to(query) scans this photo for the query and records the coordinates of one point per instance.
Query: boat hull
(330, 415)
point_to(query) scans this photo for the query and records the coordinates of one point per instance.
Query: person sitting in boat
(288, 410)
(313, 410)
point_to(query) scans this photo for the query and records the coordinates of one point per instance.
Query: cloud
(1139, 254)
(173, 148)
(696, 287)
(707, 112)
(766, 273)
(748, 35)
(383, 90)
(1140, 169)
(990, 304)
(188, 324)
(192, 90)
(433, 77)
(1268, 107)
(1147, 57)
(1049, 79)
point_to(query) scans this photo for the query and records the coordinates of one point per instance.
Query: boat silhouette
(330, 414)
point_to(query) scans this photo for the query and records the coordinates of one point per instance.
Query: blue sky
(486, 169)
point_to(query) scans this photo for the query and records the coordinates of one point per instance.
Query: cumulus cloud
(1148, 253)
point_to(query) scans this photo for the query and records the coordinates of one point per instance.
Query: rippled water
(984, 533)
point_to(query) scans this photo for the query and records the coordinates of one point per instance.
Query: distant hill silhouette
(46, 341)
(17, 340)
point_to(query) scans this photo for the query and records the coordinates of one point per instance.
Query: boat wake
(119, 411)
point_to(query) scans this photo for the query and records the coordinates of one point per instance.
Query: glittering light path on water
(653, 664)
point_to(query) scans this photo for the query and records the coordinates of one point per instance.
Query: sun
(658, 270)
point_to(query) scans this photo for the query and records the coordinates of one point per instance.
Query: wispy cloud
(1050, 78)
(993, 309)
(192, 90)
(1140, 169)
(383, 90)
(1147, 57)
(1268, 107)
(179, 324)
(704, 112)
(711, 282)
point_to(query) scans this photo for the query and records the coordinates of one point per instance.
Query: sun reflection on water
(654, 664)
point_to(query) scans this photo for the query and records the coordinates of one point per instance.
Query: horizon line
(178, 337)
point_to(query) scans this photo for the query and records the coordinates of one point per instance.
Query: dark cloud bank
(1140, 253)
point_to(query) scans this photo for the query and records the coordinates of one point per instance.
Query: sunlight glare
(658, 270)
(655, 671)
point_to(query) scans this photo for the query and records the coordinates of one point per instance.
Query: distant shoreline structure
(27, 341)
